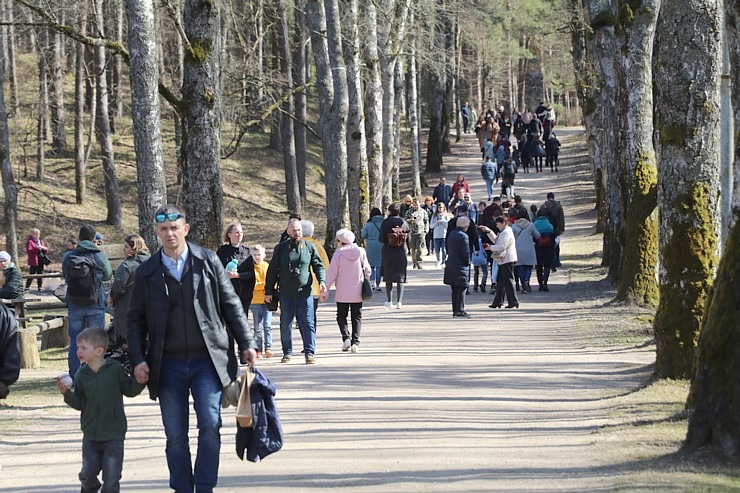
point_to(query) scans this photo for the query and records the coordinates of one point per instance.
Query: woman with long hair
(119, 298)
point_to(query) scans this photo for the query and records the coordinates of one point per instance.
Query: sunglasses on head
(171, 216)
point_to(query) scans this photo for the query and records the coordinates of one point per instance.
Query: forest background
(222, 91)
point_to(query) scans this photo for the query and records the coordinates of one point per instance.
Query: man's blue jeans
(80, 317)
(489, 188)
(177, 380)
(300, 308)
(262, 326)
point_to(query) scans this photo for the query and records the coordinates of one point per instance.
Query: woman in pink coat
(348, 269)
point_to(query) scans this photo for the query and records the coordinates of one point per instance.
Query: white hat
(345, 236)
(5, 255)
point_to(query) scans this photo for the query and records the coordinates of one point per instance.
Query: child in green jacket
(98, 390)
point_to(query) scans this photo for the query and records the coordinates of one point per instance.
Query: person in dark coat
(457, 268)
(394, 258)
(13, 284)
(10, 354)
(183, 320)
(123, 281)
(442, 192)
(232, 249)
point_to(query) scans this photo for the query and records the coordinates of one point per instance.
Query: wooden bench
(19, 307)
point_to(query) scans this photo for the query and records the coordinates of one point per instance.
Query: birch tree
(414, 111)
(687, 141)
(145, 113)
(79, 119)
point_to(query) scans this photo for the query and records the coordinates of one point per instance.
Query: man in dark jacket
(13, 285)
(10, 354)
(182, 321)
(85, 313)
(457, 267)
(442, 192)
(290, 268)
(554, 212)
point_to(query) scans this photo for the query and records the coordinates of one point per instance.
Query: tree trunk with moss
(637, 186)
(714, 398)
(373, 104)
(687, 140)
(331, 82)
(201, 122)
(145, 115)
(594, 44)
(357, 169)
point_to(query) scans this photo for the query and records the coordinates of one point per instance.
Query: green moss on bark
(714, 398)
(199, 50)
(689, 260)
(637, 281)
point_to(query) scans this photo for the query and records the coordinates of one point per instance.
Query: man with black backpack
(84, 268)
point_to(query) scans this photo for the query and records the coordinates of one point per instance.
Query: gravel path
(507, 400)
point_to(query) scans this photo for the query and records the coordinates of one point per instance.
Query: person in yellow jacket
(308, 228)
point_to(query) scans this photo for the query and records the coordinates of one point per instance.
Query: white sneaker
(388, 304)
(399, 305)
(354, 348)
(346, 344)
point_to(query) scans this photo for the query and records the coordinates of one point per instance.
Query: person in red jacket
(36, 249)
(460, 183)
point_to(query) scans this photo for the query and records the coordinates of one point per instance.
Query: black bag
(43, 259)
(367, 290)
(274, 302)
(82, 279)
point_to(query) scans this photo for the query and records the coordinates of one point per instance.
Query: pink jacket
(348, 268)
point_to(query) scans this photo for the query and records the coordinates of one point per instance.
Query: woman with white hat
(348, 269)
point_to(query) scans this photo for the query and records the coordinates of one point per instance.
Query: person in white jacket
(504, 251)
(348, 269)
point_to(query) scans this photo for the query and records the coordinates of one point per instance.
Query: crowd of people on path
(181, 313)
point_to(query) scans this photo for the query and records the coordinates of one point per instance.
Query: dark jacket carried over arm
(266, 434)
(218, 310)
(10, 354)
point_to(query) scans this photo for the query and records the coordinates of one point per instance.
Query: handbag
(244, 406)
(367, 290)
(43, 259)
(274, 302)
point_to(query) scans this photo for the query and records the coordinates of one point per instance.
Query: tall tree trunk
(413, 113)
(80, 76)
(373, 105)
(357, 172)
(56, 102)
(687, 137)
(456, 81)
(102, 128)
(12, 67)
(299, 77)
(201, 94)
(636, 158)
(292, 189)
(398, 96)
(438, 93)
(145, 113)
(714, 402)
(331, 82)
(116, 65)
(6, 171)
(42, 122)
